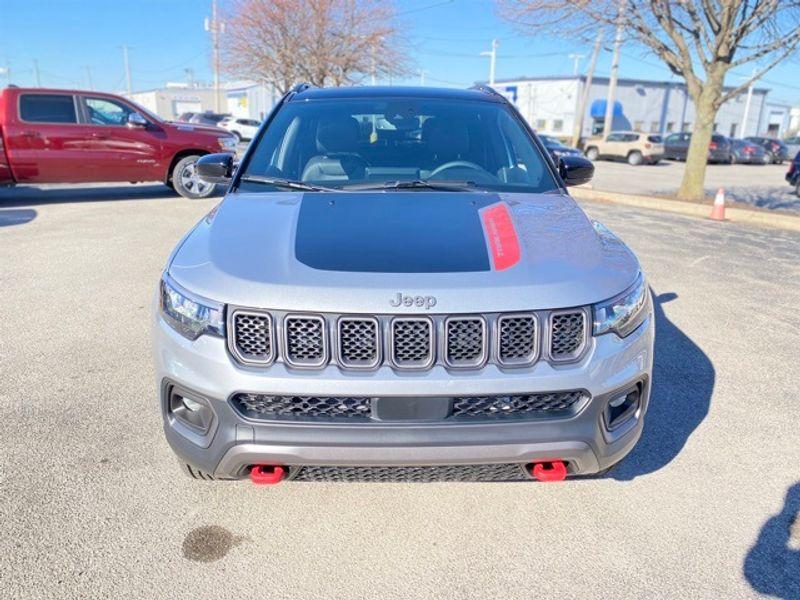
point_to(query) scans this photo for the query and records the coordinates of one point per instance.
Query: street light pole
(36, 73)
(128, 84)
(587, 88)
(612, 80)
(492, 54)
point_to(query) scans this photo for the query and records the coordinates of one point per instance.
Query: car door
(45, 141)
(119, 151)
(682, 147)
(612, 147)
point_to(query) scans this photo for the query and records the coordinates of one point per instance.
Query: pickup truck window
(102, 111)
(378, 142)
(47, 108)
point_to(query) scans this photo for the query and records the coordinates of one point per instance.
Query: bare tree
(698, 40)
(324, 42)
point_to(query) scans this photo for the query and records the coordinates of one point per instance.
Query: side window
(671, 139)
(47, 108)
(614, 137)
(631, 137)
(101, 111)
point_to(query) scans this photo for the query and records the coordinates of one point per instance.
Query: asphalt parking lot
(92, 504)
(762, 186)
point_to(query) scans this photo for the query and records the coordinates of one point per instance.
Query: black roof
(313, 93)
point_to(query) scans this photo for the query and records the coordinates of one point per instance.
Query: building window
(655, 127)
(716, 125)
(638, 125)
(686, 126)
(733, 130)
(558, 125)
(541, 124)
(670, 127)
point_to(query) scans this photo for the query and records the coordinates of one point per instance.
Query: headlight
(227, 143)
(624, 313)
(189, 315)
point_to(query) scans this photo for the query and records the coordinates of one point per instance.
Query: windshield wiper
(288, 183)
(445, 186)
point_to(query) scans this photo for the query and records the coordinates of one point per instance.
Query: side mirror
(136, 120)
(215, 168)
(575, 170)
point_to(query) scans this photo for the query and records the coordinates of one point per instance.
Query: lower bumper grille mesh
(531, 405)
(495, 472)
(263, 406)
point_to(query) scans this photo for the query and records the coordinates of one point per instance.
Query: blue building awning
(598, 109)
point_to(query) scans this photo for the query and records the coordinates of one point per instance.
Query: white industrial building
(550, 104)
(250, 100)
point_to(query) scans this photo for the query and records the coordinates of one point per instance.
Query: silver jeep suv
(398, 286)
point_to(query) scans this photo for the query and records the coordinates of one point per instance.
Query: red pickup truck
(71, 136)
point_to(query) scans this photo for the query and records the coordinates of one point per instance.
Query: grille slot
(567, 334)
(518, 337)
(465, 341)
(549, 404)
(252, 337)
(412, 343)
(264, 406)
(304, 341)
(421, 474)
(358, 342)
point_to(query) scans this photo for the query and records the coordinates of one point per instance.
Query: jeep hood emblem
(426, 302)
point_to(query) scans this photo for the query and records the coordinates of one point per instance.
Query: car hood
(193, 128)
(355, 252)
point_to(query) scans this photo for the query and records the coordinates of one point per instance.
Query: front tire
(187, 183)
(592, 153)
(635, 158)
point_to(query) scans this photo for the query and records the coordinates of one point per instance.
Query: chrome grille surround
(513, 346)
(465, 342)
(567, 334)
(359, 342)
(305, 341)
(503, 348)
(251, 336)
(411, 344)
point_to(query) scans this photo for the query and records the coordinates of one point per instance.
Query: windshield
(387, 142)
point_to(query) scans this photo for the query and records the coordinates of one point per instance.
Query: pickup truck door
(119, 151)
(44, 140)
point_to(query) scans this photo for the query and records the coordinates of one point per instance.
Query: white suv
(244, 129)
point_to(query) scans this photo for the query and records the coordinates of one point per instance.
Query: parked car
(792, 145)
(73, 136)
(209, 118)
(185, 117)
(421, 299)
(633, 146)
(243, 129)
(777, 151)
(746, 152)
(676, 147)
(793, 174)
(556, 148)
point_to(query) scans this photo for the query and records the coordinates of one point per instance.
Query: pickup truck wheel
(635, 158)
(187, 183)
(592, 153)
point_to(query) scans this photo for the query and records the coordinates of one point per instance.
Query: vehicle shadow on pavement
(32, 196)
(9, 218)
(683, 380)
(772, 565)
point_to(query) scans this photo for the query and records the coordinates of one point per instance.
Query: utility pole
(746, 115)
(214, 27)
(587, 88)
(422, 76)
(189, 78)
(128, 84)
(576, 58)
(612, 80)
(89, 76)
(492, 54)
(36, 73)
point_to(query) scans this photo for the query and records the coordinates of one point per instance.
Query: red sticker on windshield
(501, 237)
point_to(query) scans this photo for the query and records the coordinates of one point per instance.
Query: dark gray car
(676, 147)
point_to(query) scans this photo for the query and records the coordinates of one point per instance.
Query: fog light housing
(622, 407)
(191, 410)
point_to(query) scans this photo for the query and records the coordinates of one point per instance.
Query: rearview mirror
(575, 170)
(215, 168)
(136, 120)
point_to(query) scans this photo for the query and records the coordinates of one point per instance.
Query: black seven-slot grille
(416, 342)
(353, 409)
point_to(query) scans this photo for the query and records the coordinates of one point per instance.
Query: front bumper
(234, 443)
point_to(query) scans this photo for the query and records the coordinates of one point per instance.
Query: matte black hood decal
(393, 232)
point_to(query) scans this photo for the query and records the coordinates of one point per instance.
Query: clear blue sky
(167, 36)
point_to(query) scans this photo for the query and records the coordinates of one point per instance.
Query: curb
(733, 214)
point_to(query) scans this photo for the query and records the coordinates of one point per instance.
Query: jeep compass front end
(398, 286)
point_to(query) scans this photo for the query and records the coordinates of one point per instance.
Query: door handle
(33, 134)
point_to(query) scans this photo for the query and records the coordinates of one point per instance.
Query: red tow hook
(553, 470)
(267, 474)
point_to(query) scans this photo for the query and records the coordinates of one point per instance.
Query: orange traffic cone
(718, 210)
